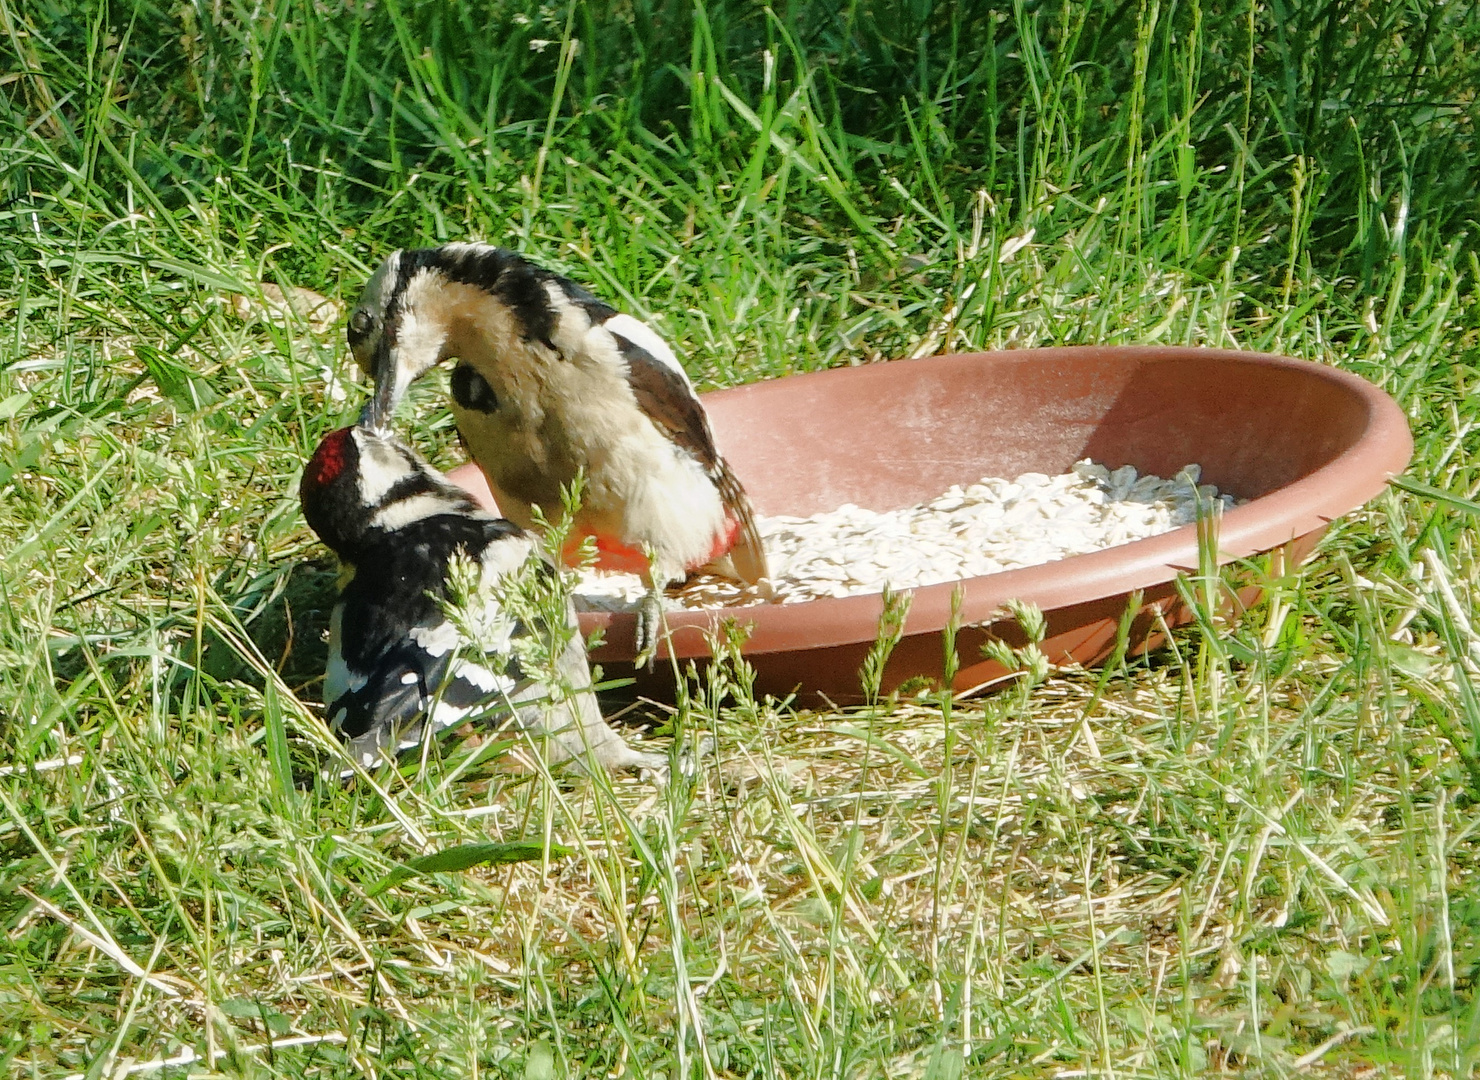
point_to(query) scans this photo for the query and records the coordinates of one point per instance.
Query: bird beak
(380, 410)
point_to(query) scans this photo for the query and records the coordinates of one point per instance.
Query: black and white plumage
(395, 658)
(553, 381)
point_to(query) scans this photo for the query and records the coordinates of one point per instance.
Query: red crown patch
(329, 459)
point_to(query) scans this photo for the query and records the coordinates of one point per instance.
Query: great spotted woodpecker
(395, 658)
(551, 382)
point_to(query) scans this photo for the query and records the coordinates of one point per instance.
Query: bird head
(391, 335)
(413, 311)
(360, 483)
(330, 491)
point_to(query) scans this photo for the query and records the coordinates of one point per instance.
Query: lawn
(1252, 851)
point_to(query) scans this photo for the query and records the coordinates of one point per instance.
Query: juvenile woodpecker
(553, 381)
(395, 659)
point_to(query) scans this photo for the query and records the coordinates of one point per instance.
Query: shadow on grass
(286, 615)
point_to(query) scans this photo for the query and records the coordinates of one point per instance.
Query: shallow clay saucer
(1304, 443)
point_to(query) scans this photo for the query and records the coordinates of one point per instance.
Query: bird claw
(649, 630)
(688, 761)
(691, 757)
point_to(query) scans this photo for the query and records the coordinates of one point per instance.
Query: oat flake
(986, 527)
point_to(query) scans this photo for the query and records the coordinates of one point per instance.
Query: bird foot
(620, 757)
(691, 757)
(689, 760)
(649, 630)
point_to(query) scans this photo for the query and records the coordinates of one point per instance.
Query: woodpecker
(552, 382)
(395, 658)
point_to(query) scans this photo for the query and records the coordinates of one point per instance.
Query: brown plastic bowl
(1304, 442)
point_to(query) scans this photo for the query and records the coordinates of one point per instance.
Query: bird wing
(748, 556)
(395, 660)
(663, 393)
(386, 713)
(666, 396)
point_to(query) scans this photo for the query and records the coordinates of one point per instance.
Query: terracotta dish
(1305, 443)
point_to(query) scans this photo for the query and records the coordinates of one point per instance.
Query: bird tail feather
(748, 556)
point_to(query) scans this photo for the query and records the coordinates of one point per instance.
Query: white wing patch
(644, 337)
(443, 716)
(436, 640)
(504, 556)
(492, 629)
(482, 678)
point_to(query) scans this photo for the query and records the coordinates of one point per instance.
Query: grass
(1255, 850)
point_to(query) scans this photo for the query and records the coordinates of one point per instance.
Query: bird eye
(360, 323)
